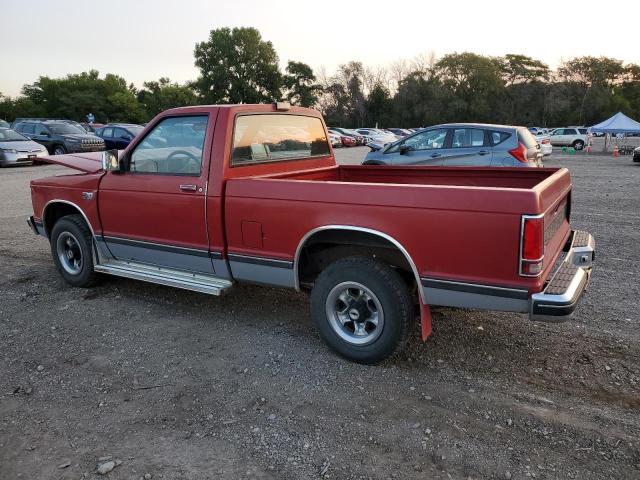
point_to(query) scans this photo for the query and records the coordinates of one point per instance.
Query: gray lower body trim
(188, 259)
(266, 271)
(468, 295)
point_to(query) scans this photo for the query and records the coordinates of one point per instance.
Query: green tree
(158, 96)
(475, 85)
(237, 66)
(300, 84)
(378, 106)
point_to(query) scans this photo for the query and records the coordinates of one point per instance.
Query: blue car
(461, 144)
(118, 135)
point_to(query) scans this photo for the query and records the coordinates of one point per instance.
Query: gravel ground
(154, 381)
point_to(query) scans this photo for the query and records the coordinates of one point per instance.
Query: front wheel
(362, 309)
(578, 145)
(59, 150)
(71, 247)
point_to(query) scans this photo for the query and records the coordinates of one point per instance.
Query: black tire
(59, 150)
(388, 289)
(73, 228)
(578, 145)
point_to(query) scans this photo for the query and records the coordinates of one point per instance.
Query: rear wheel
(72, 251)
(362, 309)
(578, 144)
(59, 150)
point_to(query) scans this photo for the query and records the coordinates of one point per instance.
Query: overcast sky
(148, 39)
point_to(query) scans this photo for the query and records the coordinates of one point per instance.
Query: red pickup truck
(209, 196)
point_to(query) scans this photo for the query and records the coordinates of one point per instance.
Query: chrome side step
(165, 276)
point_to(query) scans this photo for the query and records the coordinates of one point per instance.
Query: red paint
(456, 223)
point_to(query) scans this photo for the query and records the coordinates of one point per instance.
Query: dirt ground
(180, 385)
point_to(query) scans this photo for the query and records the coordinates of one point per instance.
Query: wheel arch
(360, 233)
(56, 209)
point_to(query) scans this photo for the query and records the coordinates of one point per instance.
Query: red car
(348, 141)
(209, 196)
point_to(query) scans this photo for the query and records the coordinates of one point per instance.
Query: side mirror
(110, 161)
(403, 149)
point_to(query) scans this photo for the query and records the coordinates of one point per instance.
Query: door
(424, 148)
(121, 138)
(107, 136)
(155, 213)
(560, 136)
(42, 135)
(469, 147)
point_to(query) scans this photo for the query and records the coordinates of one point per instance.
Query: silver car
(461, 144)
(16, 149)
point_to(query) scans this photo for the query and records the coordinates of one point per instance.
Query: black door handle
(436, 155)
(483, 152)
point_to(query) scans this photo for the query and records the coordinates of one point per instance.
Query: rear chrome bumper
(559, 298)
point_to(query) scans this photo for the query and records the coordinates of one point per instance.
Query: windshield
(7, 135)
(65, 128)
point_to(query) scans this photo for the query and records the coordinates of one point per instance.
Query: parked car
(118, 135)
(569, 137)
(253, 205)
(346, 140)
(636, 154)
(60, 137)
(335, 139)
(16, 149)
(461, 144)
(376, 136)
(4, 124)
(545, 144)
(360, 139)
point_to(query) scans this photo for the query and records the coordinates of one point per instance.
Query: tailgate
(555, 203)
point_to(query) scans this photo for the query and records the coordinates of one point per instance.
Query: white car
(545, 144)
(569, 137)
(335, 139)
(379, 137)
(16, 149)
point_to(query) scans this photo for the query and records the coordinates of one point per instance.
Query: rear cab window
(260, 138)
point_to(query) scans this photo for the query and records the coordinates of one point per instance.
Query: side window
(570, 131)
(28, 128)
(498, 137)
(467, 137)
(40, 129)
(429, 140)
(277, 137)
(121, 133)
(107, 132)
(173, 147)
(583, 131)
(18, 127)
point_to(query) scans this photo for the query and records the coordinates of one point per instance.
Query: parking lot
(181, 385)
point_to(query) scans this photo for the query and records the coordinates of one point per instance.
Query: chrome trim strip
(310, 233)
(476, 288)
(44, 213)
(265, 261)
(520, 259)
(163, 247)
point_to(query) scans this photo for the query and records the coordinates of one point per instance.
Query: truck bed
(454, 176)
(457, 223)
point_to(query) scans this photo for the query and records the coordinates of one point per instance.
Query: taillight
(532, 245)
(519, 153)
(546, 141)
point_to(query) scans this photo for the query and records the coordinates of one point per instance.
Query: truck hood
(90, 162)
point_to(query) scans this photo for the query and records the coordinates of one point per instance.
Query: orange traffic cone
(615, 151)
